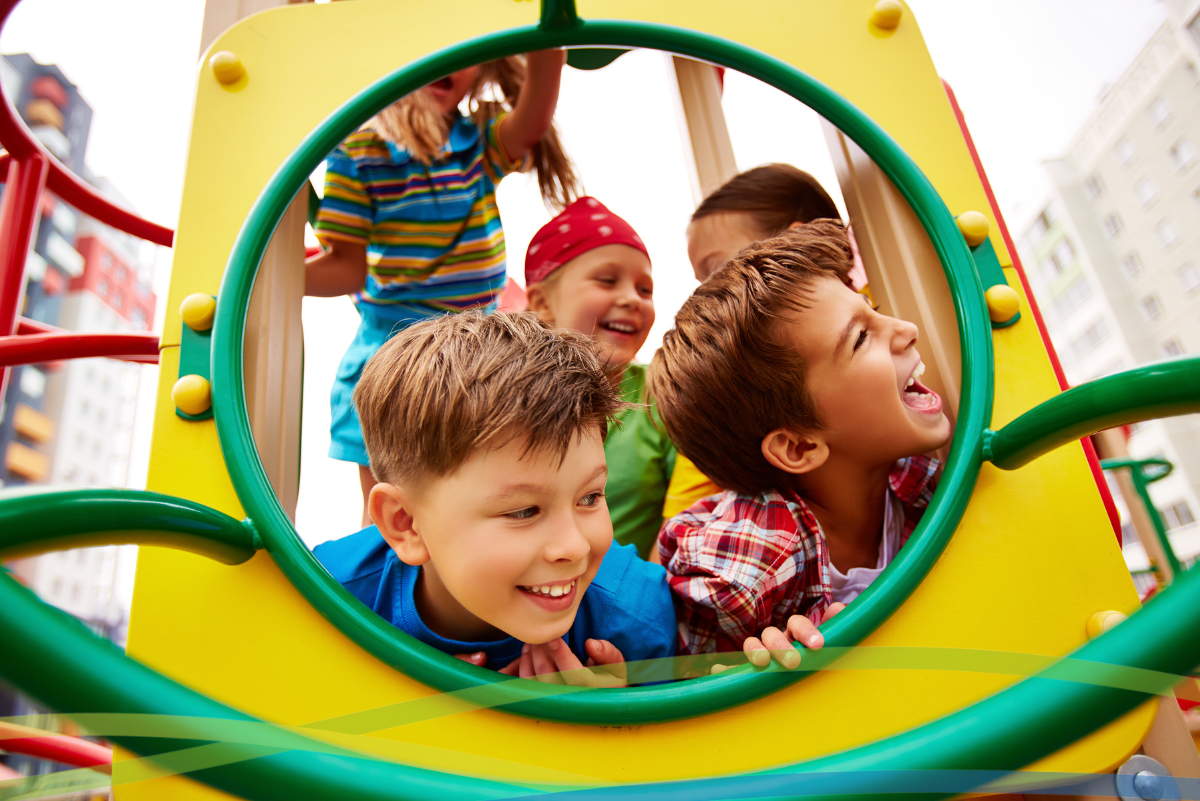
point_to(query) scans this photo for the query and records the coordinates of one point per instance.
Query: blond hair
(415, 123)
(725, 377)
(443, 388)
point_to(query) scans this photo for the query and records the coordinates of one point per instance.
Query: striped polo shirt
(433, 234)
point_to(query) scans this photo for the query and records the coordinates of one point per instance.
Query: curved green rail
(1163, 389)
(39, 520)
(637, 705)
(76, 670)
(1142, 478)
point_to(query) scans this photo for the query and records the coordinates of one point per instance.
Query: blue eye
(591, 499)
(528, 513)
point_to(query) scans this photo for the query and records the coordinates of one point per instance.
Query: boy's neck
(848, 501)
(444, 615)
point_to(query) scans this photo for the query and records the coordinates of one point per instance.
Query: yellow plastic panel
(1034, 558)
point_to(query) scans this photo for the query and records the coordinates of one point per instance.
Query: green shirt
(640, 461)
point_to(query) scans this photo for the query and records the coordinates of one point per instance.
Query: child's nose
(568, 544)
(904, 335)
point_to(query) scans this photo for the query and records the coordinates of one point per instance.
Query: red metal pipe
(27, 326)
(20, 143)
(39, 348)
(18, 215)
(63, 748)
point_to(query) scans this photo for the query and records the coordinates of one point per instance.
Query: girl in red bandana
(587, 269)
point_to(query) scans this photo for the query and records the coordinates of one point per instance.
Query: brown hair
(774, 195)
(442, 388)
(724, 377)
(416, 123)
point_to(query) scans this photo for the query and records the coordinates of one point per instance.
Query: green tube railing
(36, 521)
(1164, 389)
(1142, 476)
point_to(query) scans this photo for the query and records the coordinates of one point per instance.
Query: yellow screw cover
(1002, 302)
(192, 394)
(974, 227)
(887, 14)
(1101, 622)
(226, 67)
(197, 311)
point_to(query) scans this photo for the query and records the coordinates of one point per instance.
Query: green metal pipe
(1164, 389)
(36, 521)
(1141, 482)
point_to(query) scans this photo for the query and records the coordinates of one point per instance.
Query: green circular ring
(638, 705)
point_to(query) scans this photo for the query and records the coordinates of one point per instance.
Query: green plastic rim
(637, 705)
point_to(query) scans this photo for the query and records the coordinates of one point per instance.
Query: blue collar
(499, 652)
(463, 136)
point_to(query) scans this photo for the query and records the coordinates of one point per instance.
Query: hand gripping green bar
(1163, 389)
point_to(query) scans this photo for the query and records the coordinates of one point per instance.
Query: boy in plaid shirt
(783, 384)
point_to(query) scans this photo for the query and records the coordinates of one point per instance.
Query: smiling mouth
(620, 327)
(917, 396)
(552, 597)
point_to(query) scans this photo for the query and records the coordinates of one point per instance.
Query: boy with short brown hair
(784, 385)
(492, 537)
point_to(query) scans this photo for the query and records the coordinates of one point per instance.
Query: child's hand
(773, 643)
(478, 659)
(554, 663)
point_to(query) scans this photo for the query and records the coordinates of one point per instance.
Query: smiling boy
(492, 537)
(784, 385)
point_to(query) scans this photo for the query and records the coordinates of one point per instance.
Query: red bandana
(584, 225)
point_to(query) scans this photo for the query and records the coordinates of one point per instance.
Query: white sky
(1026, 73)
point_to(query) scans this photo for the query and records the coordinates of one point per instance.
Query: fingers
(780, 647)
(479, 658)
(803, 631)
(545, 667)
(833, 609)
(756, 652)
(513, 668)
(603, 652)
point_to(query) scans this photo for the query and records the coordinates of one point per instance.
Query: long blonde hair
(415, 123)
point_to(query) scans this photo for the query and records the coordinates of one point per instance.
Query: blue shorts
(376, 326)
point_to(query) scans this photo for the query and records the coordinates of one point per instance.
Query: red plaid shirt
(739, 563)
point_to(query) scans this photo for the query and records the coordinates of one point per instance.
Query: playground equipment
(250, 628)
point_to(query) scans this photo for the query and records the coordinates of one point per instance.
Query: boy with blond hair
(492, 540)
(782, 384)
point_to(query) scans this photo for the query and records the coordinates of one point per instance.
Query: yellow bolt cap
(197, 311)
(887, 14)
(1002, 303)
(226, 67)
(1101, 622)
(192, 394)
(974, 227)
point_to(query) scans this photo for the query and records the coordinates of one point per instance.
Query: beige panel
(273, 351)
(903, 270)
(222, 14)
(702, 122)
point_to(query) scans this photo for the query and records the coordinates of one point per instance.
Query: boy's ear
(391, 512)
(793, 452)
(538, 303)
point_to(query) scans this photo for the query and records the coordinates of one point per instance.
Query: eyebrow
(541, 489)
(858, 317)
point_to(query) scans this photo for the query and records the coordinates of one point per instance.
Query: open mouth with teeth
(442, 84)
(917, 396)
(620, 327)
(554, 597)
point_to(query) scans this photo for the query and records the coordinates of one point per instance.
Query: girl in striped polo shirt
(409, 220)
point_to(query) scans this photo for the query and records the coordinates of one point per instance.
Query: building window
(1182, 153)
(1145, 190)
(119, 274)
(1131, 265)
(1151, 307)
(1172, 348)
(106, 260)
(116, 299)
(102, 288)
(33, 382)
(1124, 151)
(1166, 233)
(138, 317)
(1073, 297)
(1189, 276)
(56, 588)
(1050, 267)
(1160, 110)
(1112, 225)
(1094, 187)
(1178, 514)
(1086, 342)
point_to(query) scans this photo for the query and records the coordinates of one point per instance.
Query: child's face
(449, 91)
(713, 239)
(606, 293)
(504, 533)
(859, 363)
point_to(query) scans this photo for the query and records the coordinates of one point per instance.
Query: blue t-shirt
(627, 603)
